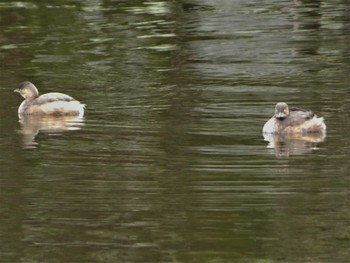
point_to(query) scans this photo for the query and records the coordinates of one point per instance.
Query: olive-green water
(169, 163)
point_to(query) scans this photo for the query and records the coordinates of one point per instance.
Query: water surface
(169, 163)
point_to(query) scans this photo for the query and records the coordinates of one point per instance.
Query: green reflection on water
(170, 164)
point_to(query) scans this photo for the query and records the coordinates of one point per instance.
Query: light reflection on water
(31, 126)
(170, 163)
(295, 144)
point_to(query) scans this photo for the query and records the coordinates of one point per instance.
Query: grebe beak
(280, 115)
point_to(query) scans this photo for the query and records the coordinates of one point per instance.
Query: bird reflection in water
(31, 126)
(293, 144)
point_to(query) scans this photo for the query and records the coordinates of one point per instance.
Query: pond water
(169, 163)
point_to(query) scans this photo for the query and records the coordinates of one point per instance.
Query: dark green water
(169, 164)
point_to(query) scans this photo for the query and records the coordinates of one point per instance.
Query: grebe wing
(305, 114)
(52, 97)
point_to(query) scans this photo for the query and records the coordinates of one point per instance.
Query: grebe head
(27, 90)
(281, 110)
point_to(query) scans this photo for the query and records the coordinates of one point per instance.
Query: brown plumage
(293, 120)
(54, 103)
